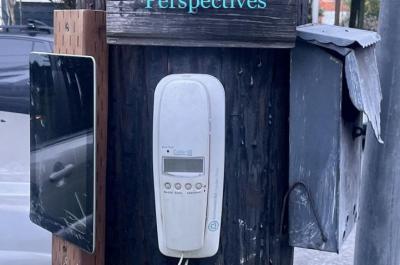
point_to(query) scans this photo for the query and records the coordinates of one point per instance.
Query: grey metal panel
(339, 36)
(315, 118)
(330, 46)
(350, 167)
(325, 152)
(364, 85)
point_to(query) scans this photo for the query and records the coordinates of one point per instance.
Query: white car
(21, 241)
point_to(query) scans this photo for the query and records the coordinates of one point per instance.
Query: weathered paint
(324, 155)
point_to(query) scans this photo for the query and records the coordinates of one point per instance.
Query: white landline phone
(188, 164)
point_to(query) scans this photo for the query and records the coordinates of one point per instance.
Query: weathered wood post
(378, 230)
(239, 48)
(357, 14)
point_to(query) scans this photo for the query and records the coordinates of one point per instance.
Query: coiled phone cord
(181, 259)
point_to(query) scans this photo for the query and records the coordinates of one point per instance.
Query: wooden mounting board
(83, 32)
(130, 22)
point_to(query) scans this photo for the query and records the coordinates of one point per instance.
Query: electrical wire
(180, 260)
(187, 262)
(313, 208)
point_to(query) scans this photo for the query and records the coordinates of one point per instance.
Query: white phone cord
(181, 259)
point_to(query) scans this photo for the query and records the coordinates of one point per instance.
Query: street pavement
(314, 257)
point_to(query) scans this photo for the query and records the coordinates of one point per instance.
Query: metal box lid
(361, 69)
(339, 36)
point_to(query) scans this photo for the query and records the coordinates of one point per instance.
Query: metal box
(334, 80)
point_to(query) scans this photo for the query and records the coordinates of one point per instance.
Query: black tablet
(62, 149)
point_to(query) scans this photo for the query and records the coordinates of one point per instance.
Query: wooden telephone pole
(378, 230)
(338, 5)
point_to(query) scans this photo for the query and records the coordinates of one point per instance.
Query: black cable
(323, 236)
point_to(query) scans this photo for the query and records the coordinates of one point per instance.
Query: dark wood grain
(302, 12)
(130, 22)
(256, 82)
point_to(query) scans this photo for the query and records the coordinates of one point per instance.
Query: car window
(41, 47)
(15, 47)
(14, 53)
(59, 111)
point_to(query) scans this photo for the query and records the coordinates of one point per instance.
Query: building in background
(327, 12)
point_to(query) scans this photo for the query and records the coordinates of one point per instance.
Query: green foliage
(372, 8)
(371, 15)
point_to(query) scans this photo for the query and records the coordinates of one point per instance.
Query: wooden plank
(357, 14)
(130, 22)
(302, 12)
(338, 4)
(256, 82)
(82, 32)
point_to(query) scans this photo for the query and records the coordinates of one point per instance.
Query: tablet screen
(62, 137)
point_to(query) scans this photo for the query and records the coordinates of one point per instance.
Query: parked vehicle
(16, 43)
(21, 242)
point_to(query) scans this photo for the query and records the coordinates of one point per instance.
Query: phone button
(188, 186)
(199, 186)
(178, 186)
(167, 185)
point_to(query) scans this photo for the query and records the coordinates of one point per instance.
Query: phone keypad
(187, 186)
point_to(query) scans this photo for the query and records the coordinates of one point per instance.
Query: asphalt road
(313, 257)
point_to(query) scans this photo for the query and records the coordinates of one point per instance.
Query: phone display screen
(62, 137)
(188, 165)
